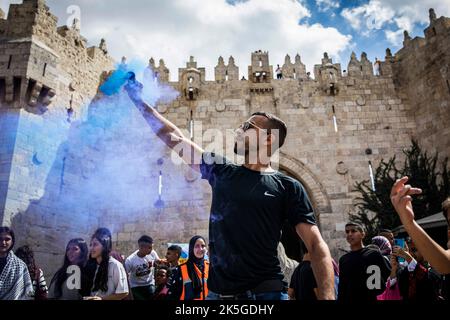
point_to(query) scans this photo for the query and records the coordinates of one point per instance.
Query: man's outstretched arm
(168, 132)
(320, 260)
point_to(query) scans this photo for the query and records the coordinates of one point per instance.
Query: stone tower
(328, 74)
(260, 71)
(295, 70)
(228, 72)
(46, 73)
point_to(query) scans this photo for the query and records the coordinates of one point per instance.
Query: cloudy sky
(175, 29)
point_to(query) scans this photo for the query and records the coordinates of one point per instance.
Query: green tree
(374, 208)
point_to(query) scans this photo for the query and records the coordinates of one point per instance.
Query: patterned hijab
(384, 245)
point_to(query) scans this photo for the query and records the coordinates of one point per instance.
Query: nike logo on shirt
(267, 194)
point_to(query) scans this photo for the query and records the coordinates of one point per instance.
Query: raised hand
(399, 252)
(134, 88)
(402, 201)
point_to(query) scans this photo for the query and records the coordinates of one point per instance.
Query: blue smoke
(153, 90)
(120, 77)
(100, 169)
(114, 83)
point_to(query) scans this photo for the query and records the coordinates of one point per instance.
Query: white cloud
(372, 15)
(325, 5)
(396, 15)
(174, 30)
(394, 37)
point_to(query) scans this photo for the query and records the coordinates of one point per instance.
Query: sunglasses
(250, 125)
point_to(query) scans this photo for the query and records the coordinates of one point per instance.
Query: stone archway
(317, 194)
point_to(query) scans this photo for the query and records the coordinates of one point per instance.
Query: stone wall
(45, 71)
(422, 76)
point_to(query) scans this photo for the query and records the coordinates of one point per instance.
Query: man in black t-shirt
(363, 272)
(303, 285)
(249, 205)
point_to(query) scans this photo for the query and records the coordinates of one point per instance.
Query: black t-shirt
(353, 275)
(303, 282)
(2, 264)
(247, 212)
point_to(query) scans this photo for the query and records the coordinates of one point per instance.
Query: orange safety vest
(188, 292)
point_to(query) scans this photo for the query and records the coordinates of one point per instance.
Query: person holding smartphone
(401, 198)
(415, 281)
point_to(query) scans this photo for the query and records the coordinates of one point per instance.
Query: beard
(240, 149)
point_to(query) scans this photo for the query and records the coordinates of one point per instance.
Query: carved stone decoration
(162, 108)
(361, 101)
(73, 86)
(341, 168)
(220, 107)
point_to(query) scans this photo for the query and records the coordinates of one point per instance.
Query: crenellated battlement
(29, 18)
(41, 61)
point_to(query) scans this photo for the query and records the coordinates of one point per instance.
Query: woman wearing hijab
(384, 245)
(189, 280)
(15, 280)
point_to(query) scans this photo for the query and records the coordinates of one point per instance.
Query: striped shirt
(42, 284)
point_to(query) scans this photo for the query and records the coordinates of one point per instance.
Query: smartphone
(401, 244)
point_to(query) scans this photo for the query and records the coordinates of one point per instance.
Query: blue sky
(374, 41)
(175, 29)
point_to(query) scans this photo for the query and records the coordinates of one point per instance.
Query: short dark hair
(145, 239)
(166, 268)
(356, 225)
(11, 233)
(275, 123)
(385, 231)
(176, 249)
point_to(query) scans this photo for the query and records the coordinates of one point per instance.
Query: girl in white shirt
(110, 279)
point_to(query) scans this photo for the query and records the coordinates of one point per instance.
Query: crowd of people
(400, 272)
(103, 274)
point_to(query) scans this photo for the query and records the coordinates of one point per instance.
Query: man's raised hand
(134, 90)
(402, 201)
